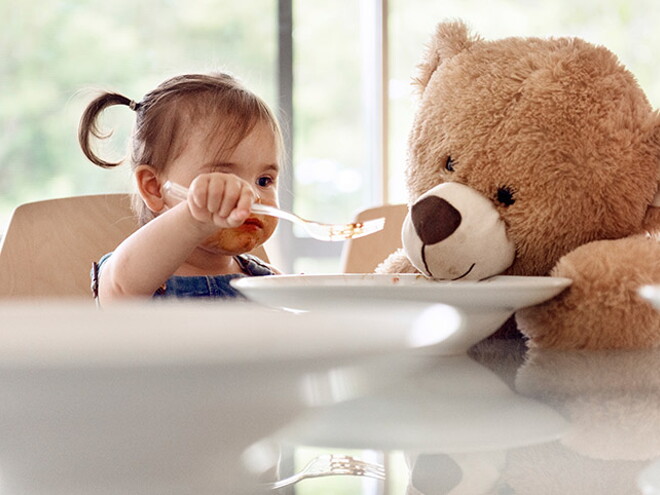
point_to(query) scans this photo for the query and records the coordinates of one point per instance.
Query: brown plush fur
(564, 126)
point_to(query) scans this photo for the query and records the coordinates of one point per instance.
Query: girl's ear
(149, 187)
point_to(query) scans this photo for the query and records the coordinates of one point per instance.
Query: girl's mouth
(252, 223)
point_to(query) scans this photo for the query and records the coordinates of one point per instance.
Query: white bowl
(164, 397)
(466, 311)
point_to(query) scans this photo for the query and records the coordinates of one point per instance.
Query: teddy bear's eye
(505, 196)
(449, 164)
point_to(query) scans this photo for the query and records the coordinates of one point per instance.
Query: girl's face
(256, 161)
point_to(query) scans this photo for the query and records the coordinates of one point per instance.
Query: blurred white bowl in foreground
(164, 397)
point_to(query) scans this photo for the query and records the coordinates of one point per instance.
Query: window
(337, 114)
(340, 71)
(52, 53)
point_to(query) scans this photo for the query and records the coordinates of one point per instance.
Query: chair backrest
(362, 255)
(49, 246)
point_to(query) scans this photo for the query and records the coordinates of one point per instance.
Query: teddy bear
(537, 157)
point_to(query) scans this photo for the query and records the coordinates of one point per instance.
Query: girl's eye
(449, 164)
(265, 181)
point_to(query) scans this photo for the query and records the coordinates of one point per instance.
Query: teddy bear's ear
(450, 38)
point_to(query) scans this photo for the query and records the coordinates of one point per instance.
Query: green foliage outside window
(53, 54)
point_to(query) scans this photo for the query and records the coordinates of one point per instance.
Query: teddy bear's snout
(434, 219)
(454, 232)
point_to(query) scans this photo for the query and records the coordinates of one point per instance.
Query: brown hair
(164, 115)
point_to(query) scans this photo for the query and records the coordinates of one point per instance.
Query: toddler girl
(212, 135)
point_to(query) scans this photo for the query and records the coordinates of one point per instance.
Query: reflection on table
(503, 420)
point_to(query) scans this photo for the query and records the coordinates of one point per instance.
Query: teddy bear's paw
(602, 308)
(397, 262)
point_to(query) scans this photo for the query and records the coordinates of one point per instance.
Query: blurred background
(338, 73)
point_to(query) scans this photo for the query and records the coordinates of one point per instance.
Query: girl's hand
(221, 199)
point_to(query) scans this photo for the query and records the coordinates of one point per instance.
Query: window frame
(374, 37)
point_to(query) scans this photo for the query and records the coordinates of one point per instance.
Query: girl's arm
(146, 259)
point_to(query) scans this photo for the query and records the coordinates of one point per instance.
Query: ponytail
(89, 128)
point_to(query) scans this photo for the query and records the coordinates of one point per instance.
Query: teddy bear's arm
(602, 308)
(397, 262)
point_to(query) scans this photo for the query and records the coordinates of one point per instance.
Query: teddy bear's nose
(434, 219)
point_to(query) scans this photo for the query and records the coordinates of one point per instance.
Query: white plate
(651, 293)
(164, 398)
(479, 308)
(305, 291)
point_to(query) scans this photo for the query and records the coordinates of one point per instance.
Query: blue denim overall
(209, 286)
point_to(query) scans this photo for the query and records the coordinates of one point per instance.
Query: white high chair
(364, 254)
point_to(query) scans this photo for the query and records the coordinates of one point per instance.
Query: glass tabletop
(501, 420)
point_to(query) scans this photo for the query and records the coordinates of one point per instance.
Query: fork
(332, 465)
(321, 231)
